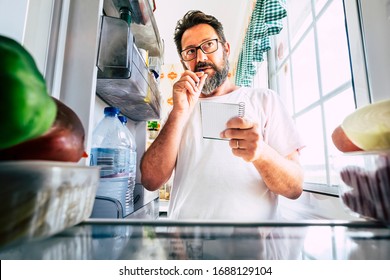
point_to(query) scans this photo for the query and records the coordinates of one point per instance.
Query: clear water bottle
(110, 150)
(132, 161)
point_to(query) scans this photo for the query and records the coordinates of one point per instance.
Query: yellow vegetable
(369, 127)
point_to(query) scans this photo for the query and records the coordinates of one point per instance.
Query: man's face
(215, 64)
(215, 79)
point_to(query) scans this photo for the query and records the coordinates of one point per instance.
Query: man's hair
(192, 18)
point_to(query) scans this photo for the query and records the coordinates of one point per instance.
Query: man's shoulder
(258, 90)
(259, 93)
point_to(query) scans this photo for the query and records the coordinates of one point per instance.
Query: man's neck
(226, 88)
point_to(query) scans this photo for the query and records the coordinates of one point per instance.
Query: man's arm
(159, 160)
(282, 175)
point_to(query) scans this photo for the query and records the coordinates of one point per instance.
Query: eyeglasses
(207, 47)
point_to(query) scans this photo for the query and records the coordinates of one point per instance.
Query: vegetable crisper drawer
(123, 79)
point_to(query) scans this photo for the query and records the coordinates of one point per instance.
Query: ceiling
(233, 14)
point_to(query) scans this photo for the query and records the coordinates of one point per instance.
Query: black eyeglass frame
(199, 47)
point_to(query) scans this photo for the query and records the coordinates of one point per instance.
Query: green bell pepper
(27, 110)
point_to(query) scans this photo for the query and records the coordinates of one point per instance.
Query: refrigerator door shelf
(143, 24)
(138, 97)
(115, 54)
(123, 79)
(145, 206)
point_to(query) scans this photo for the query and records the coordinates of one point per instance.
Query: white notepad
(215, 116)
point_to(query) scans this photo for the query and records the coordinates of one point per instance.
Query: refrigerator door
(63, 36)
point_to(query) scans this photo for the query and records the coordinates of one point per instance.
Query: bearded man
(235, 179)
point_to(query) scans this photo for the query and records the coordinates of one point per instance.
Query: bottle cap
(111, 111)
(123, 119)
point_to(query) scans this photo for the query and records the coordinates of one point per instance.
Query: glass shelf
(171, 240)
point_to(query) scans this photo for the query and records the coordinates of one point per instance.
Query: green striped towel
(265, 21)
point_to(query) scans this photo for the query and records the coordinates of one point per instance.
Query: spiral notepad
(215, 116)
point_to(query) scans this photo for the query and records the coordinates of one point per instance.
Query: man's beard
(220, 75)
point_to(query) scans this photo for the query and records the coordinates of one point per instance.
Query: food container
(365, 183)
(41, 198)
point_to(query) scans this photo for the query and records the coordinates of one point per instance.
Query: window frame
(359, 75)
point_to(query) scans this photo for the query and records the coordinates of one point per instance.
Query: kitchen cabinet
(168, 240)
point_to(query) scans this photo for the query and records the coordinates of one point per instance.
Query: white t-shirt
(211, 183)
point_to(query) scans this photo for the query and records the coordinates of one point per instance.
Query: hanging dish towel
(265, 21)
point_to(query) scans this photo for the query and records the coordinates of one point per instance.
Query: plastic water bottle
(132, 161)
(110, 150)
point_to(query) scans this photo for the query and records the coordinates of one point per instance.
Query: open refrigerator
(93, 54)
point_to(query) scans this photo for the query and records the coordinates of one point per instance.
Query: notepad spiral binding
(241, 109)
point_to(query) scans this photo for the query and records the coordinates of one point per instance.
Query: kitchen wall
(233, 14)
(376, 29)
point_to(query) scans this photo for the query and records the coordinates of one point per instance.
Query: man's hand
(282, 175)
(186, 91)
(245, 139)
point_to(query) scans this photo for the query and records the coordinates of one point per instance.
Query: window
(311, 70)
